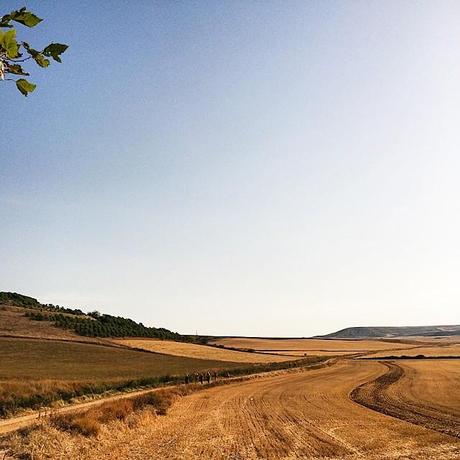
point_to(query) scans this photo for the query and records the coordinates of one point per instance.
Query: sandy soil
(191, 350)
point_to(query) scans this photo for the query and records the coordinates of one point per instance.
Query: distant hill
(26, 316)
(388, 332)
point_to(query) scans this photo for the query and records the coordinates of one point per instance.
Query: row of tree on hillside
(92, 324)
(98, 325)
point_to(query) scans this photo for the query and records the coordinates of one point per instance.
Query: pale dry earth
(191, 350)
(293, 415)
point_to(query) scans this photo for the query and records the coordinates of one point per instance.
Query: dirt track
(308, 415)
(392, 394)
(298, 415)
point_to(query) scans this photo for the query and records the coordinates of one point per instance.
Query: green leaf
(9, 44)
(16, 69)
(41, 60)
(54, 50)
(24, 86)
(25, 17)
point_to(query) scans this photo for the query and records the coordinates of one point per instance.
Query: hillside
(26, 317)
(388, 332)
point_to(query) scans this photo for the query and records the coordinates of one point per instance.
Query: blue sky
(262, 168)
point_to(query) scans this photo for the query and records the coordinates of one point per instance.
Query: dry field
(14, 323)
(314, 346)
(34, 372)
(24, 359)
(424, 392)
(302, 353)
(441, 349)
(191, 350)
(307, 415)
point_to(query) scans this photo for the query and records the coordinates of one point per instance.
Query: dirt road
(306, 415)
(16, 423)
(303, 415)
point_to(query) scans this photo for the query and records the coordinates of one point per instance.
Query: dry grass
(89, 422)
(53, 360)
(313, 346)
(14, 323)
(302, 353)
(441, 349)
(191, 350)
(294, 415)
(34, 373)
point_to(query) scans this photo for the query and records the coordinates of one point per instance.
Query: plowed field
(425, 393)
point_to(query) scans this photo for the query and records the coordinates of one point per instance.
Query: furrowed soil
(307, 414)
(424, 393)
(191, 350)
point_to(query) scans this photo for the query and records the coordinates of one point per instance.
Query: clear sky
(281, 168)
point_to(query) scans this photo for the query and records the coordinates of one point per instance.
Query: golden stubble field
(314, 414)
(326, 347)
(440, 349)
(191, 350)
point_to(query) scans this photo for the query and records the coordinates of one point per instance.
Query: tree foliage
(14, 53)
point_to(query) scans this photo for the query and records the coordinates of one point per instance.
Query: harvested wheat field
(441, 349)
(305, 414)
(422, 392)
(303, 353)
(191, 350)
(313, 346)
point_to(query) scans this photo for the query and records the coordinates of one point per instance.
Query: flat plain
(441, 349)
(191, 350)
(314, 346)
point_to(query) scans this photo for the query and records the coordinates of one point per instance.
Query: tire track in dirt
(302, 414)
(289, 416)
(386, 394)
